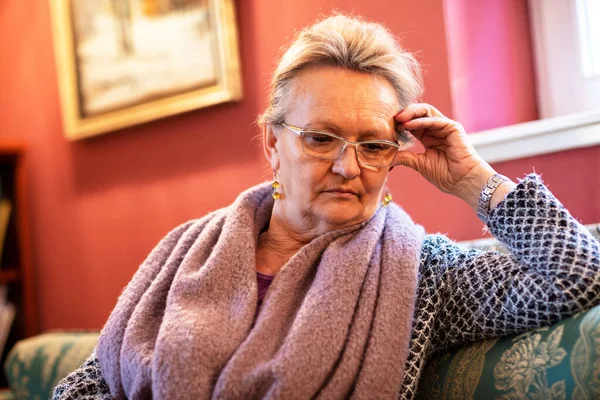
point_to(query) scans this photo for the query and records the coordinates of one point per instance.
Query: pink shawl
(335, 323)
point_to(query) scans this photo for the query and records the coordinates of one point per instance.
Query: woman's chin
(341, 216)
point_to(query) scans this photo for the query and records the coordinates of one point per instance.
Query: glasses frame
(300, 133)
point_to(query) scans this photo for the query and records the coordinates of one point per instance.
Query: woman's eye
(373, 147)
(318, 138)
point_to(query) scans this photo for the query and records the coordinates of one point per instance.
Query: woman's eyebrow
(323, 126)
(334, 128)
(380, 135)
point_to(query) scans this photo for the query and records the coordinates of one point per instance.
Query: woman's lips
(342, 193)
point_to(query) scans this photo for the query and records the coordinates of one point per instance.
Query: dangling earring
(276, 195)
(387, 198)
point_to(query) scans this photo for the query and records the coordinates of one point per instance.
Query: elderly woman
(317, 285)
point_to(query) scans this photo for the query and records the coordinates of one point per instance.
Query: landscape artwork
(130, 53)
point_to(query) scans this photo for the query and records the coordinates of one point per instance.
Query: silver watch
(483, 208)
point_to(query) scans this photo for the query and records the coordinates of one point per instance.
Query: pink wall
(99, 206)
(491, 64)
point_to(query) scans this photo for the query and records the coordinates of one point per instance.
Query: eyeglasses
(327, 146)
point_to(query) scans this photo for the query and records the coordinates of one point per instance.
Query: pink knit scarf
(335, 323)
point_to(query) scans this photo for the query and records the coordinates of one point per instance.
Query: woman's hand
(449, 161)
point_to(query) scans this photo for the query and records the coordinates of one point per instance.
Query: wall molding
(544, 136)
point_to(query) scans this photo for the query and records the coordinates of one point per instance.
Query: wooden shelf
(16, 269)
(9, 275)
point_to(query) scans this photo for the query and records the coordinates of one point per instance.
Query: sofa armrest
(35, 365)
(560, 361)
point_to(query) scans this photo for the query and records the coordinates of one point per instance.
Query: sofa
(557, 362)
(35, 365)
(560, 362)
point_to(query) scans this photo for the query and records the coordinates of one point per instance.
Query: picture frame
(122, 63)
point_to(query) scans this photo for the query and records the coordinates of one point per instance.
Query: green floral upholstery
(35, 365)
(559, 362)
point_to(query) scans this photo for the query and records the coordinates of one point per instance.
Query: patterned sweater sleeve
(85, 383)
(551, 272)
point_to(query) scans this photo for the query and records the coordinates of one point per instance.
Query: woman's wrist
(476, 185)
(505, 188)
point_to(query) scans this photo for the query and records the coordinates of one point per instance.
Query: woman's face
(321, 194)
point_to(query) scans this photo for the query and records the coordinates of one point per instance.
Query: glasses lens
(376, 154)
(321, 145)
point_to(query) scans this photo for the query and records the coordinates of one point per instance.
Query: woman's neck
(276, 246)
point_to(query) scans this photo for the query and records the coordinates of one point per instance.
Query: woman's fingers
(427, 125)
(449, 160)
(437, 126)
(429, 141)
(407, 159)
(418, 110)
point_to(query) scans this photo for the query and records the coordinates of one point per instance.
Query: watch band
(483, 207)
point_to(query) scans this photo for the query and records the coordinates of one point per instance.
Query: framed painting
(126, 62)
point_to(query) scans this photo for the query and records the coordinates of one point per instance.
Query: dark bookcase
(16, 270)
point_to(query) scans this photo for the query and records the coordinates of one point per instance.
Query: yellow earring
(276, 195)
(387, 198)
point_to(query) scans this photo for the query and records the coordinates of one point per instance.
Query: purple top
(264, 281)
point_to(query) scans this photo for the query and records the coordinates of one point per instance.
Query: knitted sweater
(551, 272)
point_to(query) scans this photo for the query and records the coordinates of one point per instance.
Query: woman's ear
(270, 146)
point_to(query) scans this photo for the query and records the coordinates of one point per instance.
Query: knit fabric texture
(551, 272)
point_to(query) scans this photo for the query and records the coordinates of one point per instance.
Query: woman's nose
(347, 163)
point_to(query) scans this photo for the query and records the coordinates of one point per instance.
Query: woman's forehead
(332, 96)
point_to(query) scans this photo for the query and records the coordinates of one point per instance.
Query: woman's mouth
(342, 193)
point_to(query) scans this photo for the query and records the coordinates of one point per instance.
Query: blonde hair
(345, 42)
